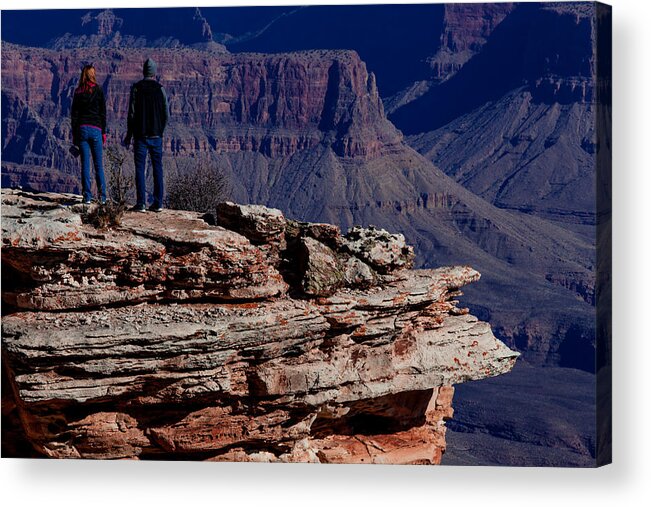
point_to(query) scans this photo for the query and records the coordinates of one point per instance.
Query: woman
(88, 117)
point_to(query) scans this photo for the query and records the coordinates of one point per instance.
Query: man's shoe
(156, 209)
(140, 208)
(86, 201)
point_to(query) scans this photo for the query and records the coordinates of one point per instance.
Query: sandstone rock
(379, 248)
(257, 223)
(328, 234)
(362, 375)
(264, 227)
(358, 274)
(58, 263)
(323, 272)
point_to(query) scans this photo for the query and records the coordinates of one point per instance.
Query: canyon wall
(516, 123)
(466, 28)
(275, 105)
(284, 127)
(255, 339)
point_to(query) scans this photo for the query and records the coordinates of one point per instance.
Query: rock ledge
(255, 339)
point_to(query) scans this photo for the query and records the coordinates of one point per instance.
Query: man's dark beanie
(149, 68)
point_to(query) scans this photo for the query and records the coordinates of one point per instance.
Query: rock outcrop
(171, 338)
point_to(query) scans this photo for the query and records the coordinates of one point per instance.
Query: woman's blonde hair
(87, 79)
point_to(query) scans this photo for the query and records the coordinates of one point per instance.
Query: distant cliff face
(548, 50)
(515, 123)
(500, 96)
(466, 28)
(184, 27)
(257, 339)
(271, 104)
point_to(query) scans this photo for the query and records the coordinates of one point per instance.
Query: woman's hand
(103, 139)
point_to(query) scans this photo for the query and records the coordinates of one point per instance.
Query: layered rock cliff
(275, 105)
(239, 335)
(466, 28)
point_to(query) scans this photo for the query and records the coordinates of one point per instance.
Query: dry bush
(196, 185)
(105, 216)
(120, 174)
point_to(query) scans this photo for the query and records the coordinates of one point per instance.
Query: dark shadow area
(529, 44)
(380, 416)
(577, 350)
(14, 443)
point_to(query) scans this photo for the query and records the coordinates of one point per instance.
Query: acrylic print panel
(335, 176)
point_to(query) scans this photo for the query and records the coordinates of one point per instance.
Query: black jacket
(88, 108)
(148, 110)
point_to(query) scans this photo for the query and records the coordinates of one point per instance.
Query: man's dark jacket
(148, 110)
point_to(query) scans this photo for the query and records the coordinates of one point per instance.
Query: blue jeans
(153, 146)
(90, 143)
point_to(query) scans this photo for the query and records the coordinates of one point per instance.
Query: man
(146, 121)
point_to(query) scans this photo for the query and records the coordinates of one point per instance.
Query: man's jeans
(90, 143)
(153, 146)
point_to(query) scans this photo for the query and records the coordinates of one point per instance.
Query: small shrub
(105, 216)
(120, 175)
(196, 186)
